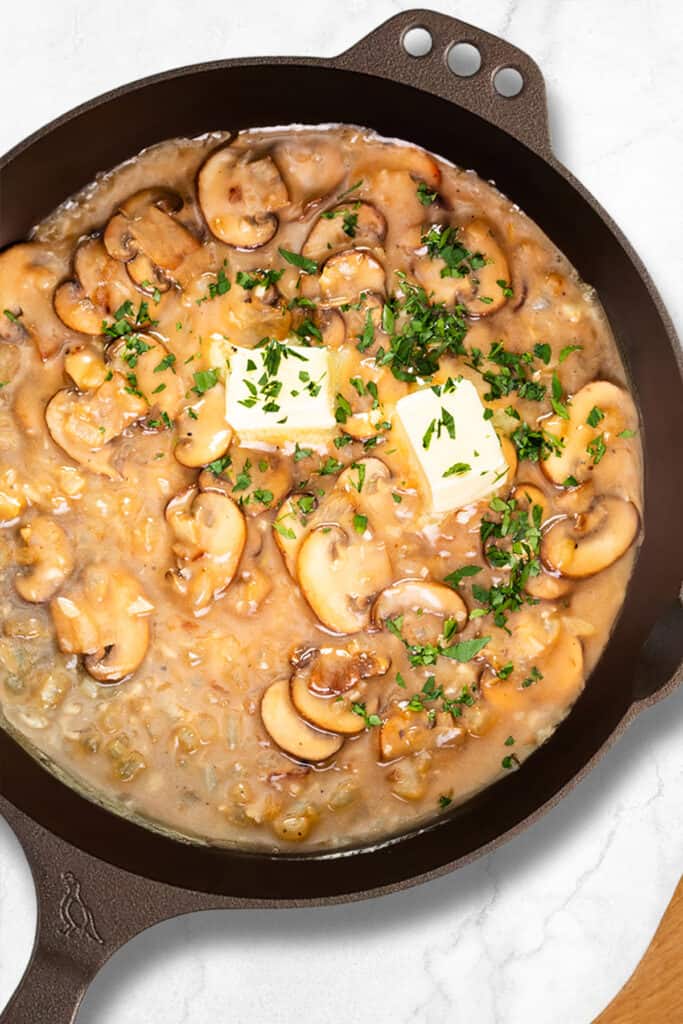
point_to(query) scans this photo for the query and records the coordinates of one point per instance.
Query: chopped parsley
(218, 466)
(360, 523)
(204, 380)
(167, 363)
(510, 542)
(425, 194)
(297, 260)
(457, 469)
(342, 409)
(442, 243)
(258, 278)
(534, 445)
(445, 801)
(370, 720)
(597, 449)
(454, 579)
(506, 288)
(220, 286)
(12, 317)
(594, 416)
(330, 466)
(567, 351)
(558, 406)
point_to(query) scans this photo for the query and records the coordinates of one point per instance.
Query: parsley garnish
(204, 380)
(597, 449)
(455, 578)
(442, 244)
(297, 260)
(370, 720)
(425, 194)
(594, 416)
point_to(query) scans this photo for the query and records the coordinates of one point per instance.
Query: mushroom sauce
(275, 641)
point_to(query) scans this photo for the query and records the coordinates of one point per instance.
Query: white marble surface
(550, 927)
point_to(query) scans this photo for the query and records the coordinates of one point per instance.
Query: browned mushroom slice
(409, 159)
(333, 671)
(253, 314)
(588, 542)
(340, 571)
(290, 525)
(311, 169)
(290, 732)
(145, 236)
(599, 411)
(334, 714)
(104, 616)
(28, 275)
(323, 324)
(239, 196)
(427, 610)
(365, 483)
(543, 586)
(49, 555)
(470, 274)
(84, 423)
(210, 536)
(149, 368)
(256, 480)
(363, 321)
(404, 732)
(86, 366)
(204, 434)
(348, 274)
(356, 223)
(556, 678)
(99, 287)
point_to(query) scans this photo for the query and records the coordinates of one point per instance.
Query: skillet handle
(87, 910)
(383, 52)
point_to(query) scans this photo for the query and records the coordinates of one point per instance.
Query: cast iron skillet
(101, 879)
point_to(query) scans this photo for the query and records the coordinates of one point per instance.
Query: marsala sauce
(180, 743)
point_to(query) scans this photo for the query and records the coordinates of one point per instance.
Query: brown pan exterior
(102, 879)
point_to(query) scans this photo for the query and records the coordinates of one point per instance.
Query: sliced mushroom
(340, 571)
(334, 714)
(477, 289)
(425, 609)
(406, 732)
(333, 671)
(84, 423)
(365, 484)
(328, 322)
(575, 459)
(253, 314)
(48, 553)
(358, 317)
(12, 496)
(104, 616)
(28, 275)
(356, 223)
(290, 732)
(348, 274)
(558, 674)
(311, 169)
(588, 542)
(149, 367)
(210, 536)
(408, 159)
(203, 431)
(239, 195)
(86, 366)
(145, 235)
(256, 480)
(99, 287)
(543, 586)
(290, 525)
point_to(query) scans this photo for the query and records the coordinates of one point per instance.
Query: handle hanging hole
(508, 82)
(464, 59)
(417, 42)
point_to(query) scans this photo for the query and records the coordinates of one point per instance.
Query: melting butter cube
(457, 450)
(280, 392)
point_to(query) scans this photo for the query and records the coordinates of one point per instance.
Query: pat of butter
(457, 450)
(281, 392)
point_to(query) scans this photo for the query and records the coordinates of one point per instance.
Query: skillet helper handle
(87, 910)
(383, 52)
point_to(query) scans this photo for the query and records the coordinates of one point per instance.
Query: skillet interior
(247, 95)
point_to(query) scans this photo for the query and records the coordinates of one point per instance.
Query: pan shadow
(383, 915)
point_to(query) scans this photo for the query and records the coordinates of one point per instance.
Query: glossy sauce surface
(244, 643)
